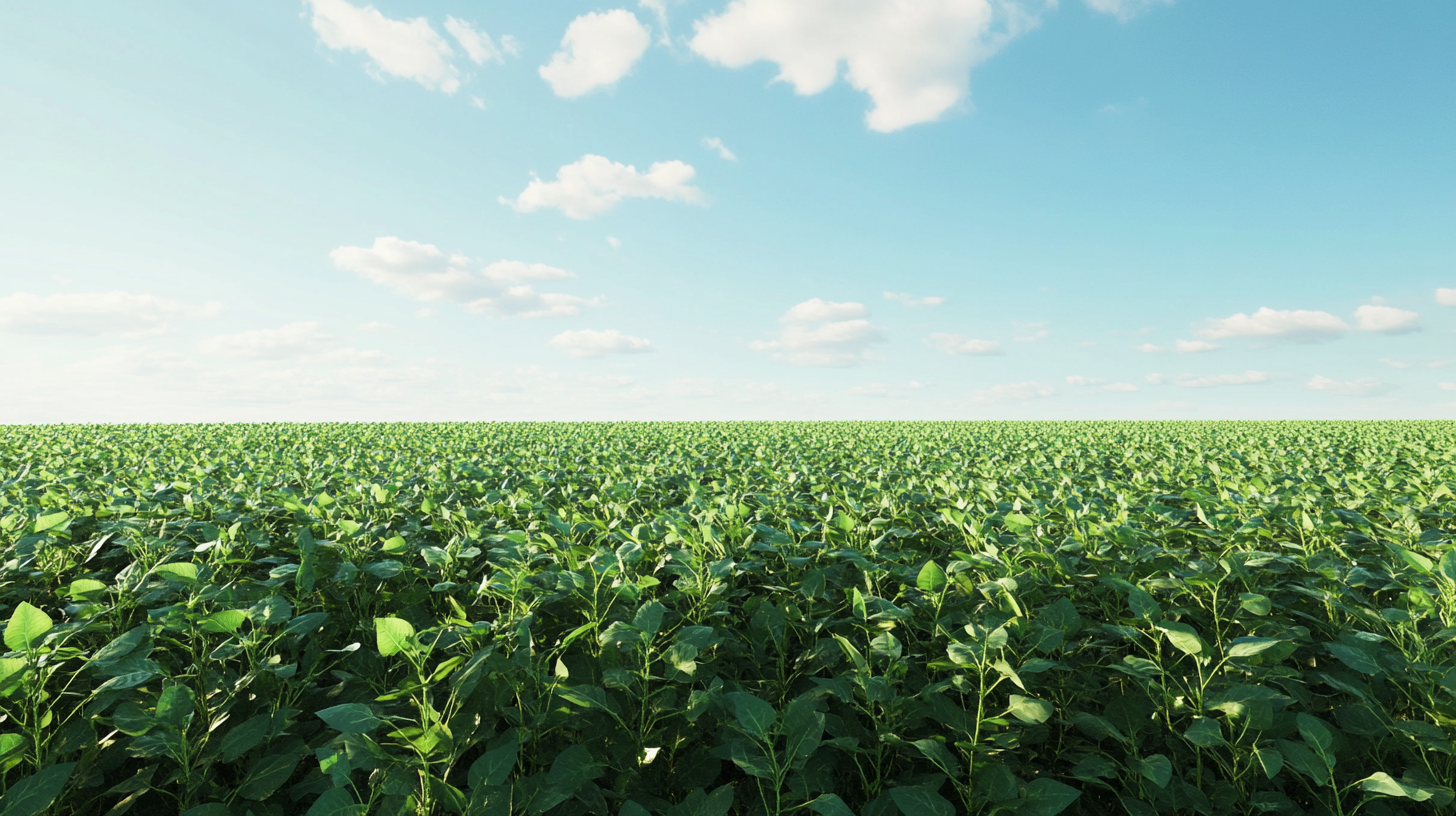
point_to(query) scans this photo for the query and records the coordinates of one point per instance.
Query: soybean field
(704, 619)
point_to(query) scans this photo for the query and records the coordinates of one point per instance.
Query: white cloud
(374, 326)
(1124, 10)
(598, 49)
(613, 242)
(409, 49)
(1363, 387)
(422, 272)
(1148, 348)
(1078, 379)
(1034, 336)
(477, 44)
(1446, 297)
(294, 340)
(815, 310)
(1296, 325)
(1394, 363)
(1099, 383)
(1386, 320)
(911, 300)
(961, 344)
(1013, 392)
(716, 145)
(114, 314)
(1195, 346)
(913, 59)
(1217, 380)
(1155, 378)
(824, 333)
(871, 390)
(1450, 386)
(595, 185)
(693, 387)
(1119, 386)
(591, 343)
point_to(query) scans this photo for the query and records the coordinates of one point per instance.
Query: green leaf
(1182, 636)
(828, 804)
(1316, 734)
(244, 736)
(586, 696)
(1143, 605)
(931, 577)
(1255, 604)
(573, 768)
(1156, 768)
(1046, 797)
(183, 571)
(494, 766)
(176, 706)
(755, 716)
(936, 752)
(803, 730)
(1383, 784)
(1018, 523)
(336, 802)
(1271, 761)
(393, 635)
(33, 794)
(698, 803)
(265, 776)
(649, 618)
(857, 603)
(350, 718)
(752, 758)
(28, 626)
(1305, 762)
(223, 623)
(1205, 732)
(305, 624)
(921, 801)
(50, 522)
(85, 588)
(12, 671)
(1030, 710)
(1250, 646)
(119, 648)
(1354, 658)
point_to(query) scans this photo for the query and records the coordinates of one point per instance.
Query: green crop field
(711, 619)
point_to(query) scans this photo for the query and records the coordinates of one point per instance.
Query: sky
(727, 209)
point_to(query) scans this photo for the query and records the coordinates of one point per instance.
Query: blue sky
(727, 209)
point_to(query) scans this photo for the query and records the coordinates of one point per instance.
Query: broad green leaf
(1143, 605)
(12, 671)
(1302, 760)
(857, 603)
(921, 801)
(393, 635)
(183, 571)
(755, 716)
(494, 766)
(828, 804)
(574, 767)
(1182, 636)
(306, 623)
(586, 696)
(1250, 646)
(887, 646)
(1018, 523)
(936, 752)
(244, 736)
(27, 627)
(1156, 768)
(266, 775)
(1316, 733)
(224, 622)
(1382, 783)
(176, 706)
(1354, 658)
(33, 794)
(1046, 797)
(51, 521)
(1029, 709)
(351, 718)
(699, 803)
(120, 647)
(1205, 733)
(931, 577)
(336, 802)
(1255, 604)
(83, 588)
(752, 758)
(649, 618)
(1271, 761)
(802, 731)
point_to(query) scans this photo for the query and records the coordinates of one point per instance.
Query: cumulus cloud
(408, 49)
(1446, 297)
(1386, 319)
(1195, 346)
(910, 300)
(824, 333)
(1363, 387)
(1297, 325)
(114, 314)
(1218, 380)
(1148, 348)
(423, 272)
(1124, 10)
(598, 49)
(1012, 392)
(912, 59)
(592, 343)
(477, 44)
(595, 185)
(961, 344)
(1099, 383)
(716, 145)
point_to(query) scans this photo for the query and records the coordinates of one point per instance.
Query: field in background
(704, 619)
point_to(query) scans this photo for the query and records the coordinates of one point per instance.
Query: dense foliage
(704, 619)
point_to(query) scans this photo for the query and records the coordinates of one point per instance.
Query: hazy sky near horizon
(727, 209)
